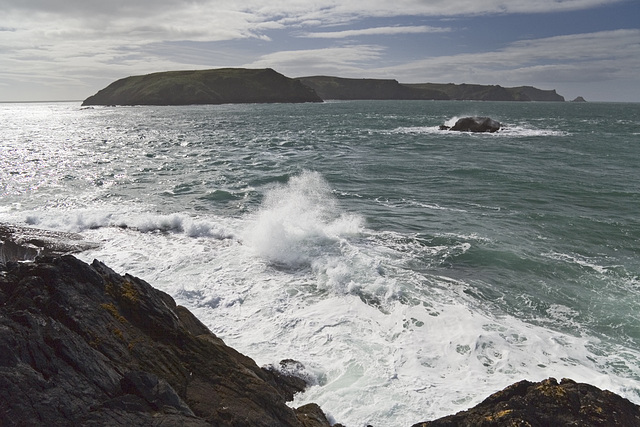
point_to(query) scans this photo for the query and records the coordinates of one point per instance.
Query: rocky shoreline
(83, 345)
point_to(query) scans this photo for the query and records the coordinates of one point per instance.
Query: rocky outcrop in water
(474, 124)
(82, 345)
(546, 403)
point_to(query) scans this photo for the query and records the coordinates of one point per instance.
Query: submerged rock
(83, 345)
(474, 124)
(547, 403)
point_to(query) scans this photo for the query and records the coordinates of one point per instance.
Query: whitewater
(412, 271)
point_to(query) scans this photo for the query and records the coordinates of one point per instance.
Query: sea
(411, 271)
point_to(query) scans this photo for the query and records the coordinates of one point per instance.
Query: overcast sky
(70, 49)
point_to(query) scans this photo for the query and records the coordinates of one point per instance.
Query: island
(241, 85)
(217, 86)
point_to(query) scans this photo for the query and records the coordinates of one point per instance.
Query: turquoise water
(412, 270)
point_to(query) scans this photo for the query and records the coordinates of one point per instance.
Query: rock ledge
(83, 345)
(547, 403)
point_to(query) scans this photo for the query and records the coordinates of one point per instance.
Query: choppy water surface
(413, 271)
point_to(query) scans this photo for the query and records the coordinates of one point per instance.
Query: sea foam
(306, 280)
(299, 221)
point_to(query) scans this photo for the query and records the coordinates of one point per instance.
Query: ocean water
(412, 271)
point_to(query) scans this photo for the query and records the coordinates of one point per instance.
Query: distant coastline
(240, 85)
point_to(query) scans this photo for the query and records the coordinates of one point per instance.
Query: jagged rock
(83, 345)
(310, 415)
(546, 403)
(289, 377)
(476, 124)
(579, 99)
(19, 243)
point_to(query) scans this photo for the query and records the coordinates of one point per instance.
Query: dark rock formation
(219, 86)
(25, 243)
(579, 99)
(82, 345)
(546, 403)
(474, 124)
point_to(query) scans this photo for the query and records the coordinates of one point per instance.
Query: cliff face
(219, 86)
(82, 345)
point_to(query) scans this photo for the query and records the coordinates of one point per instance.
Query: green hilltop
(218, 86)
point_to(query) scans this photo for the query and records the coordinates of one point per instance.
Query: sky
(69, 49)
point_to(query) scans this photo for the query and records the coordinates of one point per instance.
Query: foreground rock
(218, 86)
(474, 124)
(547, 403)
(82, 345)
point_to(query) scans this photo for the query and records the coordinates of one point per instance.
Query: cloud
(591, 57)
(228, 18)
(376, 31)
(86, 43)
(335, 60)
